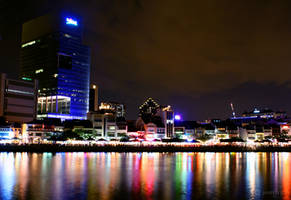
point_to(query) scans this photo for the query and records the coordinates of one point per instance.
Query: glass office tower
(52, 52)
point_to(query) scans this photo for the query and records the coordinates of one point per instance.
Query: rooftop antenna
(232, 108)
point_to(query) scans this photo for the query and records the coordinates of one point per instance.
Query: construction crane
(233, 113)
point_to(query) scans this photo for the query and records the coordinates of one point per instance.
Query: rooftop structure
(117, 109)
(149, 107)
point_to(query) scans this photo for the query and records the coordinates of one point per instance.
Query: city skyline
(145, 99)
(220, 56)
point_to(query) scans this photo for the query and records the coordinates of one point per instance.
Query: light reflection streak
(7, 175)
(22, 169)
(189, 177)
(251, 172)
(276, 172)
(286, 187)
(148, 175)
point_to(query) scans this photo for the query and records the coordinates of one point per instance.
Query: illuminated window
(20, 92)
(67, 35)
(38, 71)
(28, 44)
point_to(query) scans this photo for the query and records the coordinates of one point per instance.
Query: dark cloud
(195, 55)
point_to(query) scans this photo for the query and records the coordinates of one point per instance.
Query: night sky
(197, 56)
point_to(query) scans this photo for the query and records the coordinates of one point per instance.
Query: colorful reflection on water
(145, 176)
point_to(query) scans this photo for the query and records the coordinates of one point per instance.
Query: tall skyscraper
(168, 118)
(53, 52)
(93, 98)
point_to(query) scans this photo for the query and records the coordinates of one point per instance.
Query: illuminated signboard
(26, 79)
(256, 111)
(71, 21)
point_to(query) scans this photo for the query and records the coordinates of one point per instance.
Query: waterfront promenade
(144, 147)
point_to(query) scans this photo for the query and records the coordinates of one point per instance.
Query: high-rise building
(93, 98)
(168, 118)
(17, 99)
(52, 51)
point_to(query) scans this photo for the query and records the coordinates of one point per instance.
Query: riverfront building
(157, 122)
(52, 51)
(39, 130)
(168, 119)
(17, 99)
(107, 126)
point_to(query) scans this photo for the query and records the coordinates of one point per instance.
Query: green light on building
(26, 79)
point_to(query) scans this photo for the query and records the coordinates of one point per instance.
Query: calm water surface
(145, 176)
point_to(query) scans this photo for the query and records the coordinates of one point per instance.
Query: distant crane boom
(232, 108)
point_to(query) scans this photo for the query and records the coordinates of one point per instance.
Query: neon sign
(256, 111)
(285, 127)
(70, 21)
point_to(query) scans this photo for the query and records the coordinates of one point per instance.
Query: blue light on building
(178, 117)
(6, 133)
(71, 21)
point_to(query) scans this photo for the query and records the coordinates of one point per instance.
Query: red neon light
(285, 127)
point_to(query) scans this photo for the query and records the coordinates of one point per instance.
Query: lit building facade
(17, 99)
(106, 126)
(162, 116)
(168, 118)
(37, 131)
(53, 52)
(117, 109)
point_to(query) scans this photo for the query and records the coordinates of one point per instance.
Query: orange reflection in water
(148, 174)
(286, 183)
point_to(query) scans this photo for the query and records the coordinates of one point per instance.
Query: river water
(145, 176)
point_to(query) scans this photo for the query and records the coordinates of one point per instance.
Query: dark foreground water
(145, 176)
